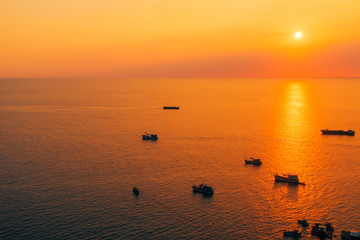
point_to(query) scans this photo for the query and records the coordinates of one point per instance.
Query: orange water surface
(71, 152)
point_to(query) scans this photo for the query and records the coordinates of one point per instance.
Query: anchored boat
(350, 235)
(288, 178)
(148, 136)
(203, 188)
(255, 161)
(171, 107)
(338, 132)
(136, 191)
(322, 231)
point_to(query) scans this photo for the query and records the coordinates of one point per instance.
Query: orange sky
(161, 38)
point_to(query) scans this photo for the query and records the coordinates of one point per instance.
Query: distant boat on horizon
(171, 107)
(338, 132)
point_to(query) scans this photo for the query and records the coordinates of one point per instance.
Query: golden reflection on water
(294, 112)
(295, 124)
(88, 146)
(291, 150)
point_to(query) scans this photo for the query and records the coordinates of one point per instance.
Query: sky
(179, 38)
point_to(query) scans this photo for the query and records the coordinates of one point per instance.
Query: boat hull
(200, 190)
(253, 162)
(150, 137)
(206, 193)
(292, 234)
(286, 179)
(347, 235)
(136, 191)
(322, 231)
(338, 132)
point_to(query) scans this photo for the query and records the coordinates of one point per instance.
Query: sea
(71, 151)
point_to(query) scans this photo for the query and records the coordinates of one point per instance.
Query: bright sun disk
(298, 35)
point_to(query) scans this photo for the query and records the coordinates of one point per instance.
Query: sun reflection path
(295, 147)
(295, 111)
(293, 126)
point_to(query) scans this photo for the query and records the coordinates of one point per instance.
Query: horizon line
(162, 77)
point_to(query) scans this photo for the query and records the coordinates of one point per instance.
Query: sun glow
(298, 35)
(89, 38)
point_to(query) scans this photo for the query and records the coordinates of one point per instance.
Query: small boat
(303, 222)
(294, 234)
(203, 188)
(338, 132)
(350, 235)
(253, 161)
(288, 178)
(171, 107)
(322, 231)
(136, 191)
(148, 136)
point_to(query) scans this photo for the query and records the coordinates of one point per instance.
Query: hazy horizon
(173, 78)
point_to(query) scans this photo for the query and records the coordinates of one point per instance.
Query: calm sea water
(71, 151)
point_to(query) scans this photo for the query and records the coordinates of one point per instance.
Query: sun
(298, 35)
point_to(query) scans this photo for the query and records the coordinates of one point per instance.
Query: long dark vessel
(338, 132)
(203, 188)
(171, 107)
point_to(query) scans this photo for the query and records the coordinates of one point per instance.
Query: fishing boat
(148, 136)
(288, 178)
(254, 161)
(136, 191)
(338, 132)
(203, 188)
(350, 235)
(322, 231)
(294, 234)
(171, 107)
(303, 222)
